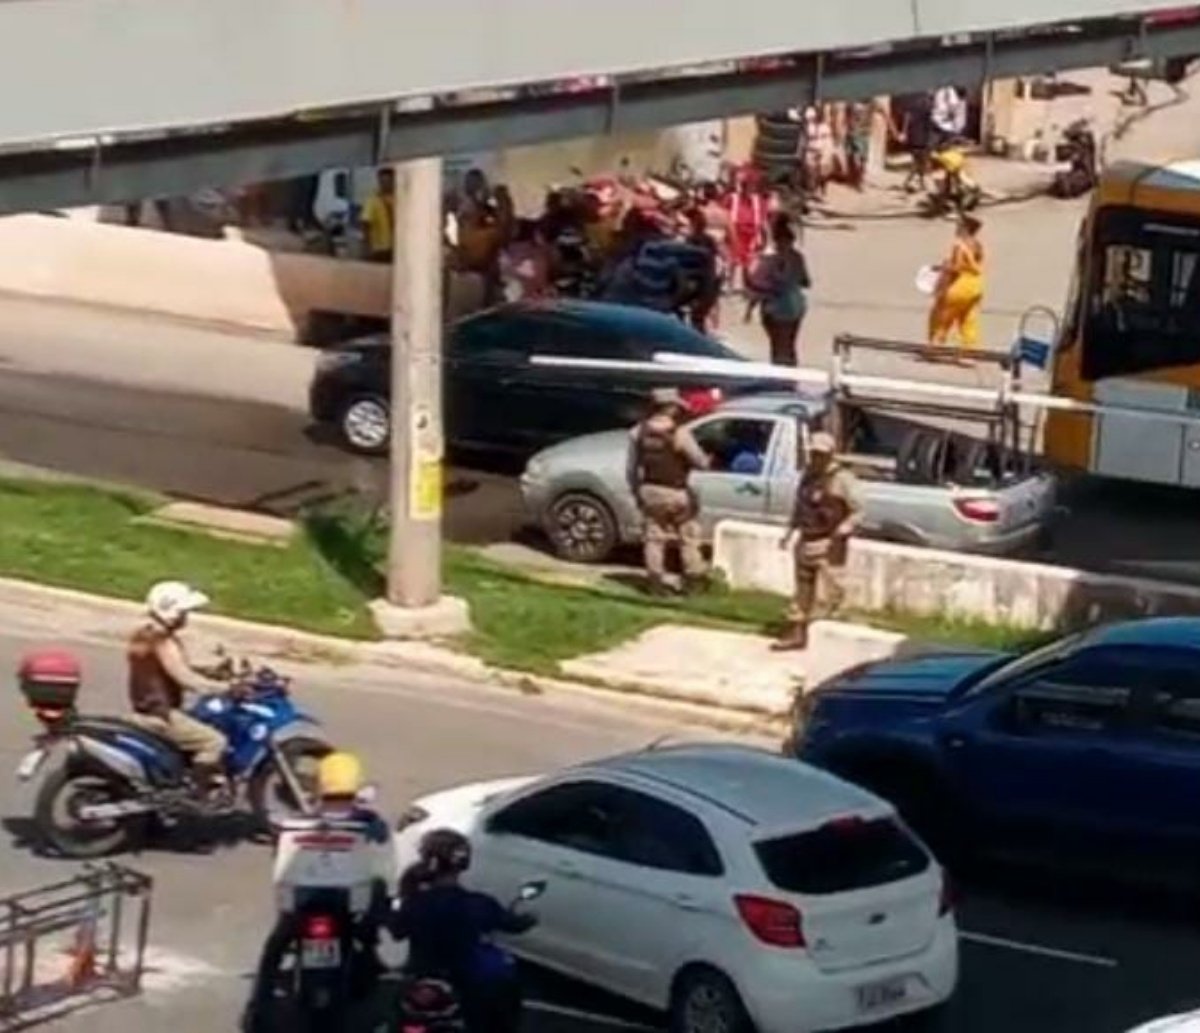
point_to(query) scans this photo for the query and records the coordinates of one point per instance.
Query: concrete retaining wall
(226, 282)
(903, 578)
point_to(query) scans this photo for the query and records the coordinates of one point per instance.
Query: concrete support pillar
(415, 606)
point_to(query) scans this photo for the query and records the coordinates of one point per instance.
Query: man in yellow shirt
(379, 217)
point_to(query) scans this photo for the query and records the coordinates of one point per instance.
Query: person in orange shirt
(958, 297)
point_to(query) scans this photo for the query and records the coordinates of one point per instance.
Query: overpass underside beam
(257, 152)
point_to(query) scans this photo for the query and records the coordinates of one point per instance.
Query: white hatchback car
(735, 889)
(1188, 1022)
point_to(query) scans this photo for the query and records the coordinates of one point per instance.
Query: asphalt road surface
(1039, 955)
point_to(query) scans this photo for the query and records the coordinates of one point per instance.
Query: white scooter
(335, 883)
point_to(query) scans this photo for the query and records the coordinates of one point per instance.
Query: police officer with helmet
(826, 513)
(662, 454)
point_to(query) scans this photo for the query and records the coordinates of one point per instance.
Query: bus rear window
(844, 855)
(1143, 307)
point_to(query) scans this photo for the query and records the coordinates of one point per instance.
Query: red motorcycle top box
(50, 679)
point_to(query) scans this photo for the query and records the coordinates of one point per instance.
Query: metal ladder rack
(995, 407)
(106, 953)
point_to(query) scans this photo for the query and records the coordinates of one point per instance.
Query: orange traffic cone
(82, 967)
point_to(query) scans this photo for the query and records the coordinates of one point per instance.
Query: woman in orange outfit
(959, 294)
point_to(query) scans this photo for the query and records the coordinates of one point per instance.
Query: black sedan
(496, 398)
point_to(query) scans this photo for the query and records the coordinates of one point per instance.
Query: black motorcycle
(428, 1006)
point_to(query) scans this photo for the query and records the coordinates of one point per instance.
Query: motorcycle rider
(340, 804)
(447, 926)
(160, 674)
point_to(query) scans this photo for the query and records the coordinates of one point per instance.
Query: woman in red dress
(747, 227)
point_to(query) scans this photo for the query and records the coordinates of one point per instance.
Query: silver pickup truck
(980, 502)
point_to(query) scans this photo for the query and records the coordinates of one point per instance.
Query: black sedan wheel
(582, 528)
(366, 425)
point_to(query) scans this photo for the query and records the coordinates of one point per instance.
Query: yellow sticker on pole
(425, 466)
(425, 490)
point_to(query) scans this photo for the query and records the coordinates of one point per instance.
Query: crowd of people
(634, 240)
(830, 142)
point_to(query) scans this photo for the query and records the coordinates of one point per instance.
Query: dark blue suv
(1090, 742)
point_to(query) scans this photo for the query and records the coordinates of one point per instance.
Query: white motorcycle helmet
(169, 602)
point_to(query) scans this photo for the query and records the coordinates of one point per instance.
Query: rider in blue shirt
(447, 928)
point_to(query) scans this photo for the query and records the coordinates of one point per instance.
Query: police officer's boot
(795, 640)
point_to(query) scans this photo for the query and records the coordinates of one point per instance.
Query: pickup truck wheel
(581, 528)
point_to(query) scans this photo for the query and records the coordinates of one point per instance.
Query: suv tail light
(702, 400)
(980, 511)
(948, 898)
(320, 927)
(773, 922)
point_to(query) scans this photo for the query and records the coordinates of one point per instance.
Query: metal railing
(104, 915)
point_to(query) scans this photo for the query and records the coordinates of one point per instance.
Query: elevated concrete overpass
(111, 100)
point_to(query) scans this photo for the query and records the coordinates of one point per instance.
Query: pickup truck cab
(577, 491)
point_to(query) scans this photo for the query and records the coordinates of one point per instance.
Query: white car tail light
(771, 921)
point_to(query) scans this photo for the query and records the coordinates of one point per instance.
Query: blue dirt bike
(115, 778)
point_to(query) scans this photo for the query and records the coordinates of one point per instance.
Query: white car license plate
(886, 994)
(320, 954)
(30, 764)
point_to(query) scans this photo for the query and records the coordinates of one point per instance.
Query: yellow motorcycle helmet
(340, 775)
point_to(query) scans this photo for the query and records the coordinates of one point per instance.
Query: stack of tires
(778, 150)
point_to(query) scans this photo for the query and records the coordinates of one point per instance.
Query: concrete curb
(51, 614)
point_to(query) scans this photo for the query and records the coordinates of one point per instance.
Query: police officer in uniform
(826, 513)
(662, 453)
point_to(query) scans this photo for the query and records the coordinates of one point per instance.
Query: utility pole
(415, 554)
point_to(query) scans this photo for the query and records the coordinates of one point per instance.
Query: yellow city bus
(1131, 336)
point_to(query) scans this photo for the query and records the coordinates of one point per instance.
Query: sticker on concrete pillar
(425, 466)
(425, 491)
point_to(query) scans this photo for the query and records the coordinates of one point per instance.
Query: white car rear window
(844, 855)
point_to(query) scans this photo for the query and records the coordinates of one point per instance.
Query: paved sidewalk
(733, 670)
